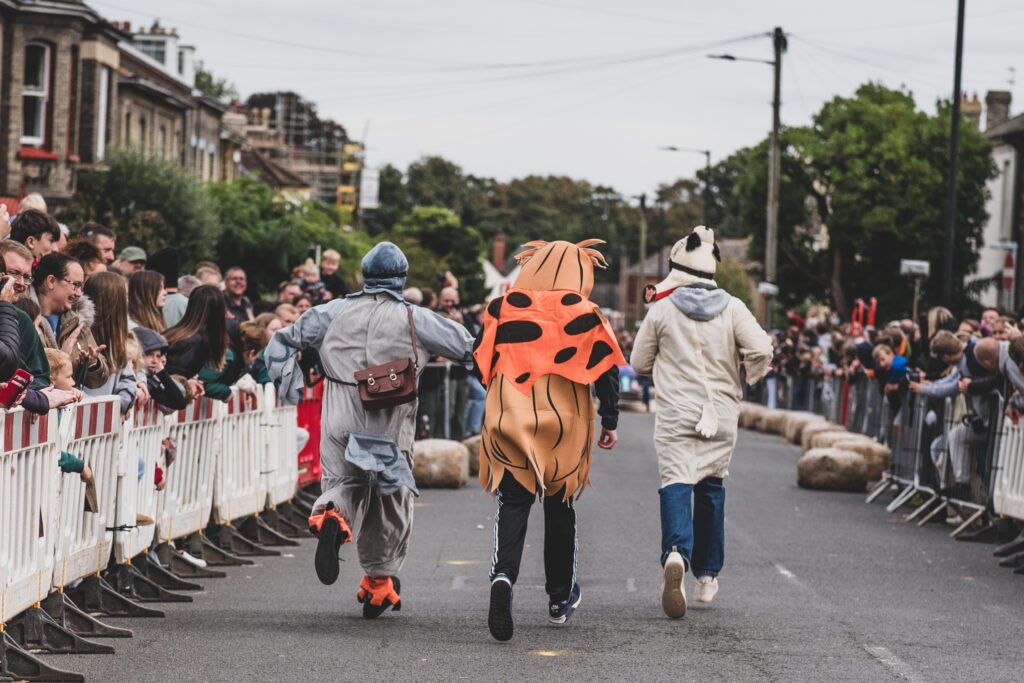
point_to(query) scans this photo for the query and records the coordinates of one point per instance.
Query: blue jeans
(474, 407)
(696, 528)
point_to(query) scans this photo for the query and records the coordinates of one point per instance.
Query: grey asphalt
(817, 586)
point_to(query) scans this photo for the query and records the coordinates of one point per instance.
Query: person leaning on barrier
(966, 369)
(109, 293)
(363, 330)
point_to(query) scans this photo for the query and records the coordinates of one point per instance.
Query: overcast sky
(586, 88)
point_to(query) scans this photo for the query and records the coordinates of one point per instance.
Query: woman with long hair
(110, 329)
(146, 297)
(199, 344)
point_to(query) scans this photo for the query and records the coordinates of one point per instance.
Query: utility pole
(771, 246)
(707, 188)
(643, 252)
(954, 153)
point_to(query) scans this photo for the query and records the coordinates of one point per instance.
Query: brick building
(53, 57)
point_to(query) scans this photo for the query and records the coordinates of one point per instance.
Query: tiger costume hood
(542, 343)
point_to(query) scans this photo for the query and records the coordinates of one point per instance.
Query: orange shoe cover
(377, 594)
(316, 523)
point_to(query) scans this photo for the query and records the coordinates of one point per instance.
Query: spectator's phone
(16, 386)
(3, 282)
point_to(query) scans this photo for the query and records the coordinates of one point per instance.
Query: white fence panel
(238, 491)
(281, 462)
(135, 495)
(1008, 490)
(83, 542)
(187, 499)
(28, 489)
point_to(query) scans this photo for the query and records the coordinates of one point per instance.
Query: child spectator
(254, 341)
(330, 261)
(311, 284)
(61, 378)
(303, 303)
(162, 387)
(287, 314)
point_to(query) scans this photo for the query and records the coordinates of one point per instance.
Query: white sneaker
(673, 597)
(706, 588)
(192, 559)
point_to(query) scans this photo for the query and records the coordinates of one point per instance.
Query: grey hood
(699, 301)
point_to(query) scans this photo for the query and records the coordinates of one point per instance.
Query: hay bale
(796, 422)
(832, 469)
(817, 428)
(440, 464)
(876, 455)
(472, 444)
(771, 421)
(829, 438)
(750, 413)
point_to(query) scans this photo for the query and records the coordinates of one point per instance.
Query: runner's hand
(608, 438)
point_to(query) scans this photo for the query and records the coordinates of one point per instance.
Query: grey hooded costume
(367, 328)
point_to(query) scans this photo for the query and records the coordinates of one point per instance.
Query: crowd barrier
(235, 463)
(943, 456)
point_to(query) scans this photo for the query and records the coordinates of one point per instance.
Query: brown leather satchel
(390, 384)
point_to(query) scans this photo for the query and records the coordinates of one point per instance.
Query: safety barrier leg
(967, 522)
(934, 513)
(36, 631)
(878, 489)
(95, 595)
(200, 545)
(161, 576)
(282, 524)
(132, 583)
(258, 531)
(182, 567)
(921, 509)
(66, 613)
(1012, 548)
(901, 499)
(229, 539)
(17, 664)
(294, 516)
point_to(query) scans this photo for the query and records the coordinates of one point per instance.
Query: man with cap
(165, 262)
(699, 343)
(131, 261)
(368, 328)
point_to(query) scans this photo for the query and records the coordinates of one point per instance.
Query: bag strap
(412, 335)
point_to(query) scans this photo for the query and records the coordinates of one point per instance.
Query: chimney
(498, 252)
(998, 104)
(127, 27)
(972, 111)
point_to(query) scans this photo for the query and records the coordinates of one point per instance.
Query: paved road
(817, 586)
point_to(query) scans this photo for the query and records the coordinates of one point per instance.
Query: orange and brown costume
(542, 344)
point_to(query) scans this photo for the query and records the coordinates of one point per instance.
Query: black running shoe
(326, 562)
(499, 617)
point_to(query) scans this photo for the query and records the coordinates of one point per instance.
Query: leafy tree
(149, 202)
(733, 278)
(394, 200)
(221, 88)
(434, 240)
(268, 234)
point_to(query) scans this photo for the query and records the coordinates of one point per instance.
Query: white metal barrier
(238, 491)
(83, 541)
(1008, 480)
(186, 502)
(280, 463)
(137, 494)
(28, 490)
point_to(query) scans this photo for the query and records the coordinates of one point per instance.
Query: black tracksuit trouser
(514, 503)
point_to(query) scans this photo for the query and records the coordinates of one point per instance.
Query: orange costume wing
(528, 334)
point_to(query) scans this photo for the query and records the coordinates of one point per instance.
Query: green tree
(731, 277)
(269, 234)
(434, 241)
(393, 198)
(221, 88)
(149, 202)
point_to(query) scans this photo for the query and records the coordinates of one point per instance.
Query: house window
(162, 142)
(35, 94)
(101, 116)
(142, 133)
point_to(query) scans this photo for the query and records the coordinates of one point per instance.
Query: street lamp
(771, 247)
(707, 176)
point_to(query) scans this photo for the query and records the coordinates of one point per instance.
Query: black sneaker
(499, 618)
(331, 536)
(559, 612)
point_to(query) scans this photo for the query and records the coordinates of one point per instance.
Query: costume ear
(588, 243)
(524, 256)
(716, 253)
(596, 257)
(693, 241)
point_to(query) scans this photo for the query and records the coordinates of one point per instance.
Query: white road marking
(892, 662)
(788, 574)
(630, 585)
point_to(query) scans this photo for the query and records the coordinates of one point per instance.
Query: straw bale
(832, 469)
